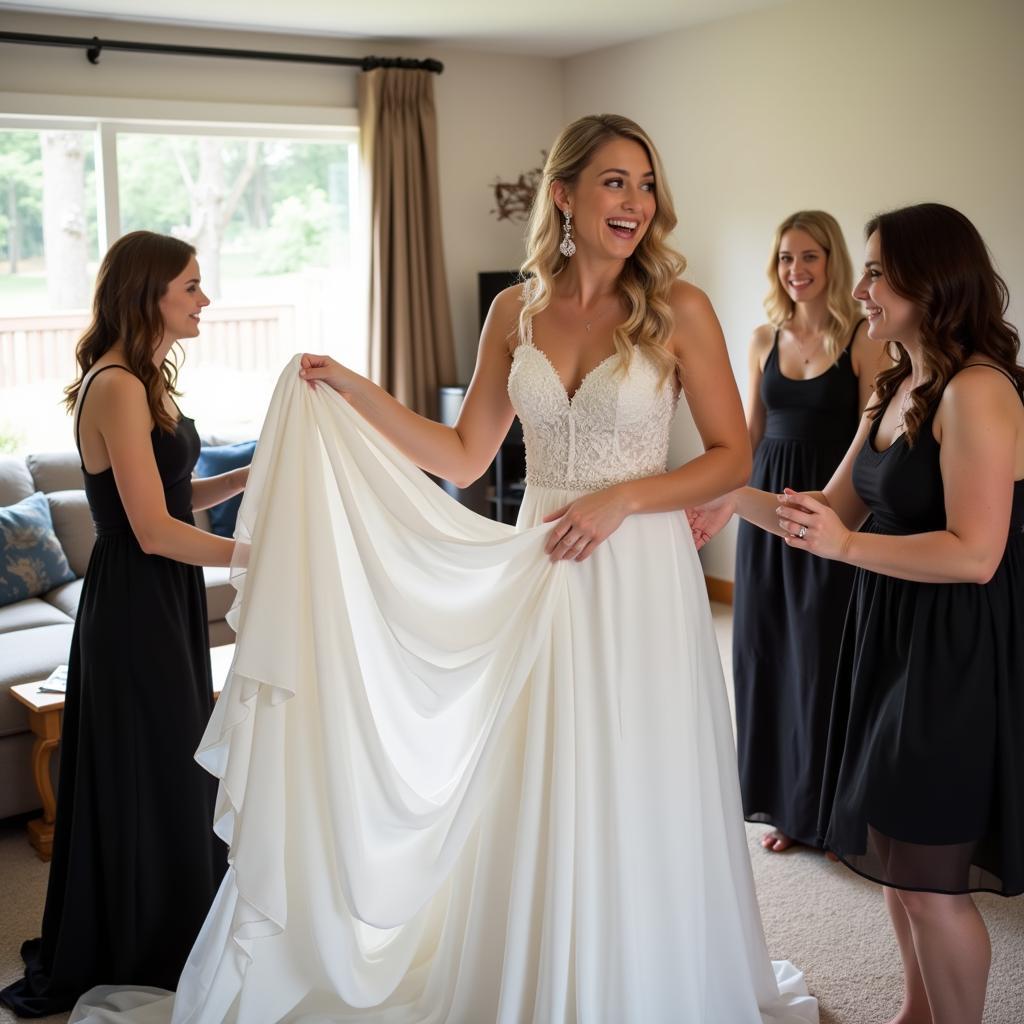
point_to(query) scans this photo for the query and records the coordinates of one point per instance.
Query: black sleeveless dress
(788, 606)
(924, 784)
(135, 863)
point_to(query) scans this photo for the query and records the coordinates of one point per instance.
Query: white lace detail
(615, 428)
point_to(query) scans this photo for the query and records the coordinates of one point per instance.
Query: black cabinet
(499, 492)
(507, 477)
(475, 495)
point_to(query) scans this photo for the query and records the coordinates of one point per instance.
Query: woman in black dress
(924, 784)
(812, 370)
(135, 862)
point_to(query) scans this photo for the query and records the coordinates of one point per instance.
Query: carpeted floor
(818, 914)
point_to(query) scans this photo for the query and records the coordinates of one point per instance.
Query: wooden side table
(44, 719)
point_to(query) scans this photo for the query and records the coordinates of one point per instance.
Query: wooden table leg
(46, 726)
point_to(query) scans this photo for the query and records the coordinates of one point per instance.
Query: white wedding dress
(462, 784)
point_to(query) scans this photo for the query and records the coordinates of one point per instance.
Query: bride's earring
(567, 247)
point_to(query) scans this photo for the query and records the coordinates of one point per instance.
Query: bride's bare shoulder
(688, 301)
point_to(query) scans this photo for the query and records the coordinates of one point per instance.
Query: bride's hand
(581, 525)
(706, 520)
(331, 372)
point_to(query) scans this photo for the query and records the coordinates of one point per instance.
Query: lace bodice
(615, 428)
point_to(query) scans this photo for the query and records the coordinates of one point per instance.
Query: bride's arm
(714, 402)
(461, 453)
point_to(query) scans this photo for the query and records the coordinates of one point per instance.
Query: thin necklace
(800, 347)
(905, 404)
(594, 317)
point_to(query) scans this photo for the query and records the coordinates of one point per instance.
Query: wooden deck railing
(252, 338)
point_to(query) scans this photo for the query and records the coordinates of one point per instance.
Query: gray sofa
(35, 634)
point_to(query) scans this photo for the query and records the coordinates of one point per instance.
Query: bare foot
(777, 841)
(912, 1015)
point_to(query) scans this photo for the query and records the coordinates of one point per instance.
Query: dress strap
(85, 390)
(853, 337)
(528, 340)
(773, 353)
(1006, 373)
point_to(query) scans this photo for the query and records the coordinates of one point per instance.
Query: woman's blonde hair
(646, 280)
(842, 308)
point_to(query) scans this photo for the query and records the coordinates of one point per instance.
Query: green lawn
(21, 293)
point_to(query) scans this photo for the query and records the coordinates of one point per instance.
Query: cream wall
(495, 114)
(853, 108)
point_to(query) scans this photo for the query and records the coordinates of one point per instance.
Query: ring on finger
(802, 532)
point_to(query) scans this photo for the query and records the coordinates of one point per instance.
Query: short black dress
(135, 863)
(789, 606)
(924, 784)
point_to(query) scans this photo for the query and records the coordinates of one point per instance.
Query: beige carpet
(819, 915)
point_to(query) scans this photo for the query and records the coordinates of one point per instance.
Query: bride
(471, 774)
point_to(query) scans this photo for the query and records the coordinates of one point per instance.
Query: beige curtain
(411, 348)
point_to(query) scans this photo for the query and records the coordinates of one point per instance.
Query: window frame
(107, 117)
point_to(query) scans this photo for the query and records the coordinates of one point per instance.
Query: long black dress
(135, 862)
(789, 606)
(925, 770)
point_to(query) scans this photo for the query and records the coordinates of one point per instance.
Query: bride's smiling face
(612, 201)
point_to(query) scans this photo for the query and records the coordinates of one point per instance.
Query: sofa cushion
(31, 613)
(65, 598)
(27, 655)
(221, 633)
(219, 591)
(72, 522)
(15, 480)
(202, 519)
(220, 459)
(31, 558)
(56, 471)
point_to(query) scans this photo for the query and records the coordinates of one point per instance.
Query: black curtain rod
(95, 46)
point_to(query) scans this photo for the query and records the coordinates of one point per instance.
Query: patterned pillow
(31, 558)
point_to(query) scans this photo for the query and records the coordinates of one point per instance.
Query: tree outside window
(271, 222)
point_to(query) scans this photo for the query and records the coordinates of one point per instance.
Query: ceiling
(548, 28)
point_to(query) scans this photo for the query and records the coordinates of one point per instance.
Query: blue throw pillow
(220, 459)
(32, 561)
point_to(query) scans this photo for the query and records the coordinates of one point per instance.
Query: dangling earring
(567, 247)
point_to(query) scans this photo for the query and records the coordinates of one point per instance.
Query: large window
(269, 211)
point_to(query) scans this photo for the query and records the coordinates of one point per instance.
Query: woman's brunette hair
(842, 308)
(126, 308)
(933, 256)
(646, 280)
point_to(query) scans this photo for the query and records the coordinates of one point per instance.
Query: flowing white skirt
(462, 784)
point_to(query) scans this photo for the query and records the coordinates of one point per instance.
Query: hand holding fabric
(331, 372)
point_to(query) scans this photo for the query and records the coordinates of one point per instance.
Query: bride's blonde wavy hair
(646, 279)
